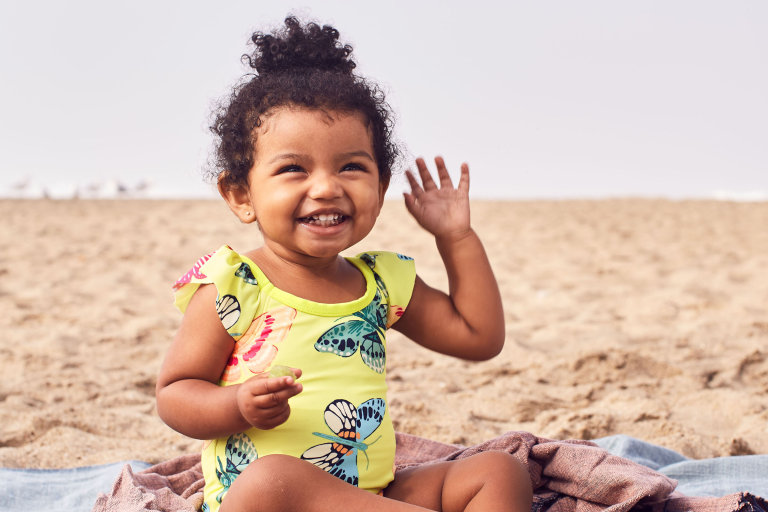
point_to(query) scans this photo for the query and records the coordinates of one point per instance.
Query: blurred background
(545, 100)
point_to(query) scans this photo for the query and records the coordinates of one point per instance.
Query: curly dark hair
(304, 66)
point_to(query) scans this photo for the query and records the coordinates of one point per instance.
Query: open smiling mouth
(324, 220)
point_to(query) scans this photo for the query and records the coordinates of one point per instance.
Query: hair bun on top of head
(297, 47)
(302, 65)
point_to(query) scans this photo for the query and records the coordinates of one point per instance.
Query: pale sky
(544, 99)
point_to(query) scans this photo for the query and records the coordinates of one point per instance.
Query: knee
(266, 484)
(503, 469)
(516, 475)
(485, 478)
(275, 472)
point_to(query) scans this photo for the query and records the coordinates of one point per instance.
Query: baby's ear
(239, 200)
(382, 192)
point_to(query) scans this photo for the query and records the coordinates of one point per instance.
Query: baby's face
(314, 185)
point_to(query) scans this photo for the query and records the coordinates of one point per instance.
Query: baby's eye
(289, 168)
(353, 167)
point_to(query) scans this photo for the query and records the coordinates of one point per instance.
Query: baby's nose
(324, 185)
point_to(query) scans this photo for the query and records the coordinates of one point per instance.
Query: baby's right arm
(189, 398)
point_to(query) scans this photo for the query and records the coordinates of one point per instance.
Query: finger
(414, 183)
(464, 180)
(410, 203)
(279, 386)
(285, 393)
(269, 418)
(426, 178)
(273, 384)
(270, 413)
(268, 401)
(275, 398)
(274, 421)
(442, 173)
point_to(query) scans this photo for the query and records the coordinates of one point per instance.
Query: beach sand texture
(641, 317)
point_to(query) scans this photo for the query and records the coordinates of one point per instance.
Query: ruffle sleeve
(397, 273)
(235, 283)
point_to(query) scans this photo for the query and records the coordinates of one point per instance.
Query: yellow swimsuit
(340, 421)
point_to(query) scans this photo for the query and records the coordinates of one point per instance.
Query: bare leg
(282, 483)
(486, 482)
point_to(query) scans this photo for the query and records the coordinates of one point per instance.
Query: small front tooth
(325, 217)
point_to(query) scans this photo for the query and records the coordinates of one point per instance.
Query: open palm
(443, 210)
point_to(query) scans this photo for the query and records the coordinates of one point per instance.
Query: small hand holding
(263, 400)
(442, 211)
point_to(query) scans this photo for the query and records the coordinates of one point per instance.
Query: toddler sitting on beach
(305, 153)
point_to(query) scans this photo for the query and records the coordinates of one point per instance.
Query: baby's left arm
(468, 322)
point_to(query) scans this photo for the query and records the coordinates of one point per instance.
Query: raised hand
(443, 210)
(263, 401)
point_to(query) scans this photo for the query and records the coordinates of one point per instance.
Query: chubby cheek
(279, 206)
(370, 212)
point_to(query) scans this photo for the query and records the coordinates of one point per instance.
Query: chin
(325, 252)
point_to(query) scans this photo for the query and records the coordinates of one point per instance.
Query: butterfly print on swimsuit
(370, 260)
(395, 311)
(257, 347)
(228, 308)
(363, 330)
(351, 427)
(244, 272)
(194, 273)
(239, 452)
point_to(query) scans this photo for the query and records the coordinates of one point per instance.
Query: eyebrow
(298, 156)
(361, 153)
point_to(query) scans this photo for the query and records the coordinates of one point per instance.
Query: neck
(296, 264)
(325, 280)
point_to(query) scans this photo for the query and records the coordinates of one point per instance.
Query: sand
(641, 317)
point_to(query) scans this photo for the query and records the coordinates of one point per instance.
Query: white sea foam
(110, 189)
(741, 196)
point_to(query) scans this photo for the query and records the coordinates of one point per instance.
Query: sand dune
(642, 317)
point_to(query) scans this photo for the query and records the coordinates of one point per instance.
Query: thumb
(410, 203)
